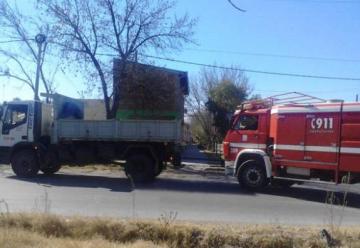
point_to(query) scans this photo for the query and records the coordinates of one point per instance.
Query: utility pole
(40, 39)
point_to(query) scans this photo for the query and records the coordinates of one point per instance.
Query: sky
(312, 37)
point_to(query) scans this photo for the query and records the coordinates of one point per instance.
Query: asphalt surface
(195, 193)
(192, 154)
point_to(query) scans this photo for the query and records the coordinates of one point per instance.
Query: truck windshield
(247, 122)
(16, 115)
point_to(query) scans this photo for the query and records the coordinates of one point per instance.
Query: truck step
(304, 180)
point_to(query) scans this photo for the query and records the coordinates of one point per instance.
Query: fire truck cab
(292, 138)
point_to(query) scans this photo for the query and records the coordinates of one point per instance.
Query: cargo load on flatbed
(150, 92)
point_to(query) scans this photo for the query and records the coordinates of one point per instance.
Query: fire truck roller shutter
(259, 155)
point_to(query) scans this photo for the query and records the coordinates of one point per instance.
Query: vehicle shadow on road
(123, 184)
(117, 184)
(195, 186)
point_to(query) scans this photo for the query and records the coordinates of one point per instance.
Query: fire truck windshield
(246, 122)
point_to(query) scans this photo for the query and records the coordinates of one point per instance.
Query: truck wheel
(252, 175)
(140, 168)
(160, 169)
(51, 163)
(24, 163)
(51, 170)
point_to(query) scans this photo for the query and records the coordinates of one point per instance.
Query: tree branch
(18, 78)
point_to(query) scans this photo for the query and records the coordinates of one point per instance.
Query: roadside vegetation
(214, 96)
(32, 230)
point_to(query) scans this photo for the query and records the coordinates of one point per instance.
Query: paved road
(195, 194)
(193, 154)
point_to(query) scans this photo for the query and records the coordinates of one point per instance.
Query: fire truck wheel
(24, 163)
(140, 168)
(252, 175)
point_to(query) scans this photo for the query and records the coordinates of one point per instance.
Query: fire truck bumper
(229, 168)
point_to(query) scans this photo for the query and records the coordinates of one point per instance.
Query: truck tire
(160, 169)
(140, 168)
(51, 170)
(24, 163)
(51, 163)
(252, 175)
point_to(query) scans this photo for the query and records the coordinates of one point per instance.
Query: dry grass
(30, 230)
(14, 238)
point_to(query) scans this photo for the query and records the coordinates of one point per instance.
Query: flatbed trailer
(114, 130)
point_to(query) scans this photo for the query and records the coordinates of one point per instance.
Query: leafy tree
(228, 95)
(228, 89)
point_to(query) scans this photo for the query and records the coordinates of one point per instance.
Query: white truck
(37, 136)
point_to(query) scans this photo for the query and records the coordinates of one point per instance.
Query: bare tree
(22, 75)
(201, 119)
(89, 29)
(21, 61)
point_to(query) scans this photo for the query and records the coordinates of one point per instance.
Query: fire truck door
(247, 131)
(321, 137)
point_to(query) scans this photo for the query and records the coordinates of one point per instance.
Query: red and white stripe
(320, 108)
(328, 149)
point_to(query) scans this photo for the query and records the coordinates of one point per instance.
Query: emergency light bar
(281, 99)
(294, 98)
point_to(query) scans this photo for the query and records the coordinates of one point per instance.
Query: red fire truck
(291, 138)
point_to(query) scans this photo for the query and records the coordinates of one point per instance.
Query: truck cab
(16, 126)
(247, 142)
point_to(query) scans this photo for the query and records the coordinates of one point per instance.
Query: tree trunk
(104, 87)
(118, 76)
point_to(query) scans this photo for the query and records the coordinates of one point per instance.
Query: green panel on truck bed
(147, 115)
